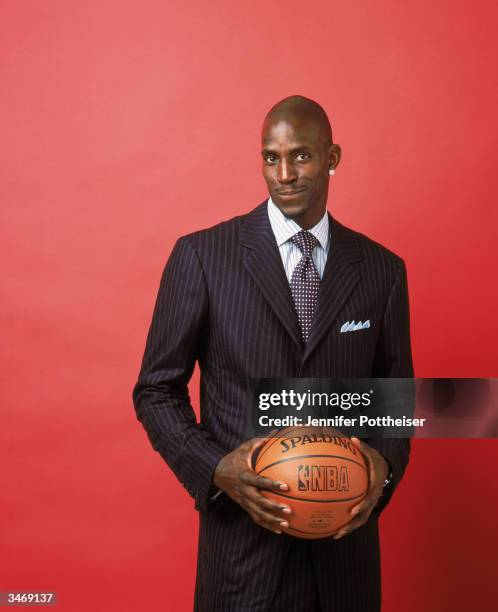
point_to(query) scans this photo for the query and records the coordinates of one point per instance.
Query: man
(265, 295)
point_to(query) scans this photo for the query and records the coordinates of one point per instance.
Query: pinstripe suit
(225, 301)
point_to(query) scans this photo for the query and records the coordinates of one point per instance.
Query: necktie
(305, 282)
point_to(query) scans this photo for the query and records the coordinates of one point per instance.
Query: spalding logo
(322, 478)
(288, 443)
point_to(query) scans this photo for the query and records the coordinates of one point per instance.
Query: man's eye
(303, 156)
(270, 159)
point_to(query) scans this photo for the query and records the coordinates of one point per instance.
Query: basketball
(326, 475)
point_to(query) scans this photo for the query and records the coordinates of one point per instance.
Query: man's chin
(292, 210)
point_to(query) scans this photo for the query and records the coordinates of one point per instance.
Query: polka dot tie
(305, 282)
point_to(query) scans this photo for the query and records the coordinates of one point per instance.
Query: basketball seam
(260, 455)
(321, 501)
(308, 457)
(321, 535)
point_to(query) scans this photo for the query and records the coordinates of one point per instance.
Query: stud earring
(331, 171)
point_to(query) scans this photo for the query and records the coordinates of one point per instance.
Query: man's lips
(291, 192)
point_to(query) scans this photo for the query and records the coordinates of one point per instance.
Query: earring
(331, 171)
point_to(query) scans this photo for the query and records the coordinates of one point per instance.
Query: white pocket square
(353, 326)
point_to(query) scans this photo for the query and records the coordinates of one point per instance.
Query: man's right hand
(234, 475)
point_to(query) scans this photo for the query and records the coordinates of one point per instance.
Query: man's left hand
(378, 470)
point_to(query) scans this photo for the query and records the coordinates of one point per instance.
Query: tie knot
(306, 241)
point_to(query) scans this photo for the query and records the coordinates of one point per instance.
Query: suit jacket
(225, 301)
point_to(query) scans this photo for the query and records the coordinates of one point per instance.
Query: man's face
(296, 164)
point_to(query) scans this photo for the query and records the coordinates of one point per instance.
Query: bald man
(230, 299)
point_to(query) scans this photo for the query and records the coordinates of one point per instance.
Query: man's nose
(286, 172)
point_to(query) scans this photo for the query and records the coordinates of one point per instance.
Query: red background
(126, 124)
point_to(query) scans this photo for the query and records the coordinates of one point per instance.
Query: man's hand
(378, 470)
(235, 476)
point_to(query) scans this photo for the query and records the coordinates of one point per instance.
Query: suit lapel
(264, 263)
(339, 279)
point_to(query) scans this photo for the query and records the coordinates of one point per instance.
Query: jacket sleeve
(394, 360)
(177, 336)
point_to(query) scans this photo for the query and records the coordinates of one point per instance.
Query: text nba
(322, 478)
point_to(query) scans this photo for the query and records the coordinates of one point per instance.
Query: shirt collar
(284, 228)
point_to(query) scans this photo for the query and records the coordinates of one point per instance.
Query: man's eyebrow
(293, 150)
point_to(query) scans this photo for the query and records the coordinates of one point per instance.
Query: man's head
(298, 152)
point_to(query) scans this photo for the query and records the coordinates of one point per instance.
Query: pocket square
(353, 326)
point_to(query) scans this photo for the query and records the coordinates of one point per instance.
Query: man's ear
(334, 155)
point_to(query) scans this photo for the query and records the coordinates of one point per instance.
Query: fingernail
(286, 510)
(284, 524)
(284, 487)
(277, 531)
(355, 511)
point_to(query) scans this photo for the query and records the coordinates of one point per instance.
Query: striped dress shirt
(284, 228)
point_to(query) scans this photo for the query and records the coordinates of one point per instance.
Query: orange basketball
(326, 475)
